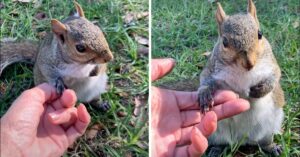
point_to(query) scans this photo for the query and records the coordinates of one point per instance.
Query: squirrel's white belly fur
(262, 120)
(87, 88)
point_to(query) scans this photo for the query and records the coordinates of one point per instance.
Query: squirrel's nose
(249, 65)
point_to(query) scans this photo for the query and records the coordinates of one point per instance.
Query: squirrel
(73, 55)
(242, 61)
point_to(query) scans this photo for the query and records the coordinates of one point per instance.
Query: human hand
(38, 123)
(177, 126)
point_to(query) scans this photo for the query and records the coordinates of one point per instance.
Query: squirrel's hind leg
(101, 105)
(215, 151)
(269, 146)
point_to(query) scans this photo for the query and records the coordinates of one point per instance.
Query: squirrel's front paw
(59, 86)
(260, 89)
(205, 98)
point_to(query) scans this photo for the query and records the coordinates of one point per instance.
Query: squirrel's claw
(59, 86)
(205, 98)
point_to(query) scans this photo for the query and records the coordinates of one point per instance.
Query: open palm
(177, 126)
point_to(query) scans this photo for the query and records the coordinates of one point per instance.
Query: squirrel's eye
(80, 48)
(260, 34)
(225, 42)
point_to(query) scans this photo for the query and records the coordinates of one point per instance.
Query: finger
(68, 99)
(231, 108)
(31, 102)
(199, 143)
(197, 147)
(186, 100)
(222, 96)
(40, 94)
(189, 100)
(207, 126)
(80, 125)
(63, 116)
(160, 67)
(190, 117)
(56, 131)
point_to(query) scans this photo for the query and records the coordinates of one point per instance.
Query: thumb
(199, 143)
(29, 106)
(160, 67)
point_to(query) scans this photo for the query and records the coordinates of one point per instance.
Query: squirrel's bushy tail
(17, 51)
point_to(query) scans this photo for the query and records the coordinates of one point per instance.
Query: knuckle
(30, 93)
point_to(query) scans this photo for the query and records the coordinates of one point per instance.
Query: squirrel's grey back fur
(26, 52)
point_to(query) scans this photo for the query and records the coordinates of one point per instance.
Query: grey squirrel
(73, 55)
(242, 61)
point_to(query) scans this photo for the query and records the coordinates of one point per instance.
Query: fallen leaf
(140, 102)
(124, 94)
(40, 16)
(128, 18)
(95, 22)
(131, 16)
(37, 3)
(207, 53)
(41, 35)
(142, 144)
(121, 114)
(142, 15)
(141, 40)
(131, 123)
(200, 65)
(143, 50)
(93, 131)
(296, 24)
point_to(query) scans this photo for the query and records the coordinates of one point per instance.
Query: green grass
(184, 30)
(121, 133)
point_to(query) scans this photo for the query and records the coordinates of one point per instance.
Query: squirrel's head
(81, 40)
(240, 38)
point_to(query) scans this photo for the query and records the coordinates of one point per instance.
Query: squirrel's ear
(58, 28)
(79, 9)
(252, 11)
(220, 14)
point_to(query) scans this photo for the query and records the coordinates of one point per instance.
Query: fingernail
(197, 131)
(53, 116)
(237, 95)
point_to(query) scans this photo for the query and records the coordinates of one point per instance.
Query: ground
(187, 31)
(123, 130)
